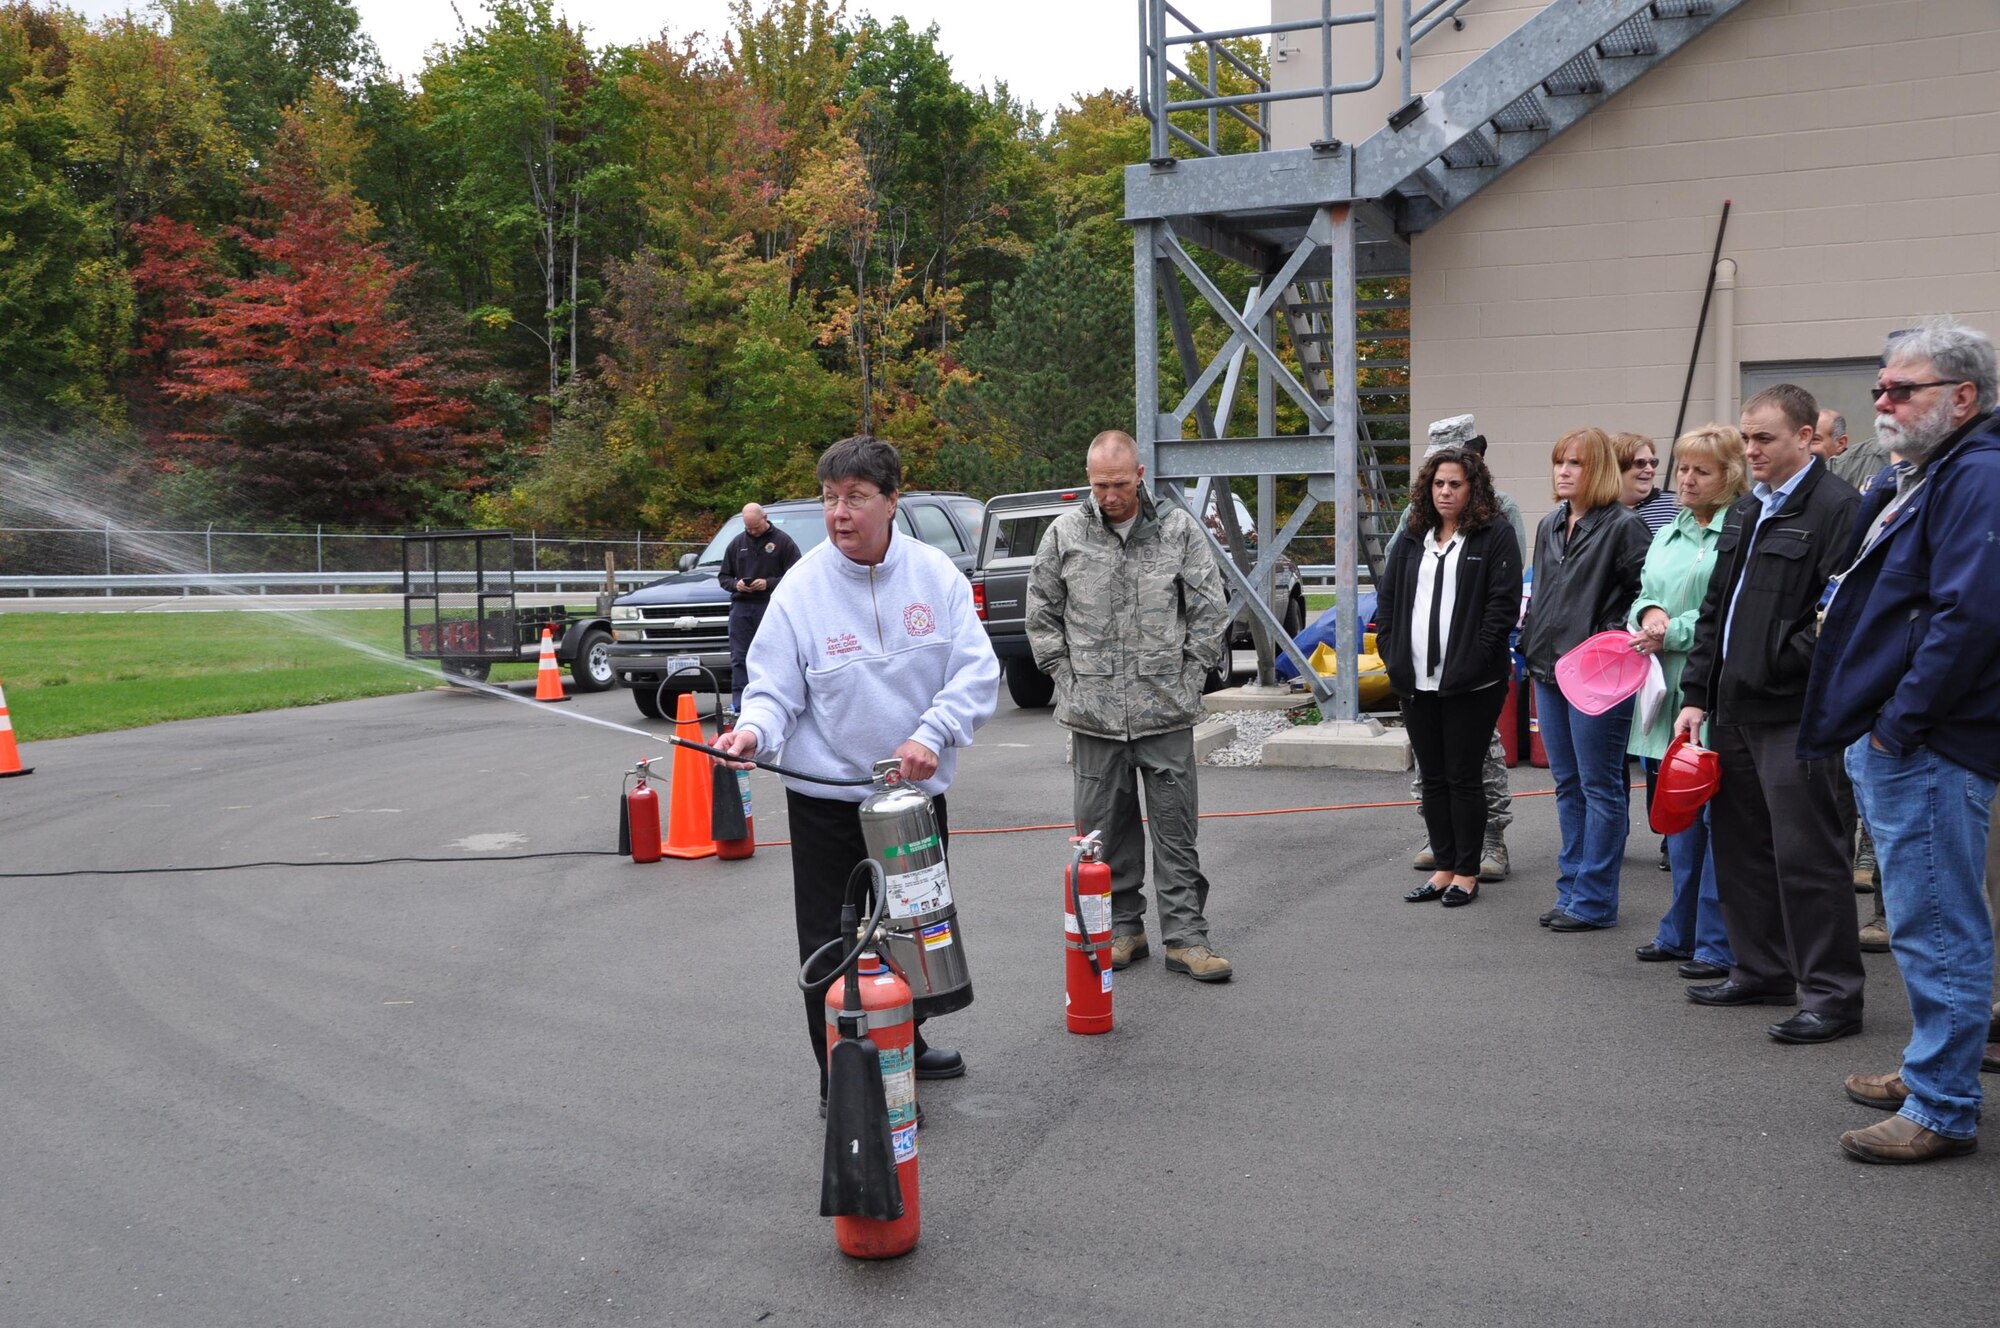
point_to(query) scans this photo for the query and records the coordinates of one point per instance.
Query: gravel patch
(1253, 729)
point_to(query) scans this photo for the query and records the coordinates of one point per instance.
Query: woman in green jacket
(1709, 473)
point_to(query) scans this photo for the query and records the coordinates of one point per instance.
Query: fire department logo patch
(918, 620)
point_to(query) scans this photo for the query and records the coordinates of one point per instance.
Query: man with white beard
(1906, 682)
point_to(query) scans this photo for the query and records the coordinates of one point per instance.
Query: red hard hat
(1688, 778)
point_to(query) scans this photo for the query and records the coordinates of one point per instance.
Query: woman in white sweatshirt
(870, 649)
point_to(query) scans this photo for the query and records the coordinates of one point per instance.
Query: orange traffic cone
(10, 755)
(690, 832)
(548, 677)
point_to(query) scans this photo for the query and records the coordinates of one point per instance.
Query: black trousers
(745, 617)
(1449, 735)
(1782, 870)
(826, 848)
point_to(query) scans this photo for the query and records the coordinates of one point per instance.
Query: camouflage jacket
(1127, 630)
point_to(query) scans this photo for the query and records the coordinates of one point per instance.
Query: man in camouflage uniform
(1459, 431)
(1126, 611)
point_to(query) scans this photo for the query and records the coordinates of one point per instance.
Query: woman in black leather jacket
(1449, 597)
(1588, 556)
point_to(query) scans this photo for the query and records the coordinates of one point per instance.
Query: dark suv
(685, 614)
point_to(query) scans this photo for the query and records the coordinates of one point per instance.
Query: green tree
(1055, 368)
(65, 306)
(267, 54)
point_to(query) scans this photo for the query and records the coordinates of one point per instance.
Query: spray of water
(51, 486)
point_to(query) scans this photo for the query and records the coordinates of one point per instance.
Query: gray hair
(863, 458)
(1839, 425)
(1956, 352)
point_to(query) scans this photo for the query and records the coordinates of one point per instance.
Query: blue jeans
(1693, 921)
(1593, 803)
(1930, 819)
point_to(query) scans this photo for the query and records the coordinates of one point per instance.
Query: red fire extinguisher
(744, 846)
(891, 1026)
(639, 818)
(1087, 934)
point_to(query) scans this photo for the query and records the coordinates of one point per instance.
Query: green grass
(68, 674)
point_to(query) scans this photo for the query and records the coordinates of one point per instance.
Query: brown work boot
(1124, 949)
(1899, 1140)
(1875, 936)
(1198, 962)
(1424, 860)
(1884, 1092)
(1493, 864)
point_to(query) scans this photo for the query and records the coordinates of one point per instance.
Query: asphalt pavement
(515, 1089)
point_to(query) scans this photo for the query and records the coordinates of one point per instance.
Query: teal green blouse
(1675, 578)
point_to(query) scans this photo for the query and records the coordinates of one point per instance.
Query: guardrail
(300, 583)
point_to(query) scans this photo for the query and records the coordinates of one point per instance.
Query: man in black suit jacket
(1781, 871)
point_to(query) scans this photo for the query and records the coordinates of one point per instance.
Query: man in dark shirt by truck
(752, 565)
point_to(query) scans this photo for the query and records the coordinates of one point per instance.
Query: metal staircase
(1323, 231)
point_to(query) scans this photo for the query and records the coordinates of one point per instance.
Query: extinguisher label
(905, 850)
(1097, 915)
(937, 936)
(924, 890)
(905, 1140)
(1106, 975)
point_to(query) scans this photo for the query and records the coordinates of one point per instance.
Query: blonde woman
(1588, 554)
(1709, 474)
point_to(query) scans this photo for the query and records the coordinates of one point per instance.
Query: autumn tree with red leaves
(295, 381)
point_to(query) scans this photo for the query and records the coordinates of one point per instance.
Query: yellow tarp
(1373, 675)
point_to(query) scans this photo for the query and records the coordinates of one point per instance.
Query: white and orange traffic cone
(548, 675)
(10, 755)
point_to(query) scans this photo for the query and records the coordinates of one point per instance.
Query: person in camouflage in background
(1126, 612)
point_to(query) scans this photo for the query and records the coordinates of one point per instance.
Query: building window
(1841, 385)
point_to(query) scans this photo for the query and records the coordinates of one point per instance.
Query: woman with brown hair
(1588, 553)
(1449, 596)
(1639, 468)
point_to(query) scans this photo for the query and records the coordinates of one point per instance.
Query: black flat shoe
(1649, 953)
(1701, 969)
(1549, 916)
(1570, 922)
(1812, 1026)
(1739, 993)
(940, 1063)
(1457, 898)
(1424, 893)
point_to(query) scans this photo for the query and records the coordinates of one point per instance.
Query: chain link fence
(217, 550)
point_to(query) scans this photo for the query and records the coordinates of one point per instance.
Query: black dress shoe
(1702, 969)
(1812, 1026)
(1739, 993)
(1457, 898)
(940, 1063)
(1649, 953)
(1570, 922)
(1549, 916)
(1424, 893)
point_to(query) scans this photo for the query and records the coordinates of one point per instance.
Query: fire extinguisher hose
(1076, 908)
(715, 686)
(866, 870)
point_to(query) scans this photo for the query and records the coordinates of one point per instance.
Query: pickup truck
(458, 609)
(1013, 528)
(665, 626)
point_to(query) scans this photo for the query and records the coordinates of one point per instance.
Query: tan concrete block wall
(1860, 142)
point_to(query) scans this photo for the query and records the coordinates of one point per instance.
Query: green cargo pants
(1108, 774)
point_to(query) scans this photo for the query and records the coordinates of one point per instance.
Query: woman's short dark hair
(1481, 506)
(863, 458)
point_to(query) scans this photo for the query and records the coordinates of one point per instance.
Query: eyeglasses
(1637, 464)
(1902, 392)
(853, 502)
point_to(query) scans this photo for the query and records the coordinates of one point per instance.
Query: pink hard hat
(1601, 671)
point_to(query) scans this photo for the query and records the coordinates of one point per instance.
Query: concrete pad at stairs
(1254, 697)
(1341, 746)
(1211, 735)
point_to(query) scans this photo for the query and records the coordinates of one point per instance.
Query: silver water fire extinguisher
(920, 935)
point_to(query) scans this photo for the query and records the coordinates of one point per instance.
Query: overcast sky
(1046, 50)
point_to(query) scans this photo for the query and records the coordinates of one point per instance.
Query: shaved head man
(751, 568)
